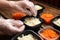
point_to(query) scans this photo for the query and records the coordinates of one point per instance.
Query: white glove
(11, 26)
(27, 7)
(23, 6)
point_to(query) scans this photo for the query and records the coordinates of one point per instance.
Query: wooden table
(47, 9)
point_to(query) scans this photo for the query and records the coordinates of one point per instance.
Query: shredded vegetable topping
(26, 37)
(32, 21)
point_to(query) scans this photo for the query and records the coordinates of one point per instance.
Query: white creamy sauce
(32, 21)
(26, 37)
(57, 22)
(37, 7)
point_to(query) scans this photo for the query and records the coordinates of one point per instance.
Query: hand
(23, 6)
(11, 26)
(27, 7)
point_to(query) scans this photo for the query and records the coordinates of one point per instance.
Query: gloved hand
(11, 26)
(23, 6)
(27, 7)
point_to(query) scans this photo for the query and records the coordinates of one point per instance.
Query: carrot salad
(49, 33)
(18, 15)
(47, 17)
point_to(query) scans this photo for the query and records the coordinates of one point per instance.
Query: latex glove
(27, 7)
(11, 26)
(23, 6)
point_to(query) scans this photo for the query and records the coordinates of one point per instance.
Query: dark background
(55, 3)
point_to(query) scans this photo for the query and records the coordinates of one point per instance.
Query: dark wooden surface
(51, 2)
(48, 9)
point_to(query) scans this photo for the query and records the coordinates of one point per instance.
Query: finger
(34, 12)
(31, 7)
(21, 28)
(19, 22)
(14, 30)
(15, 22)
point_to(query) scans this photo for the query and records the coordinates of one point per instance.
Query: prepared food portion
(27, 37)
(49, 34)
(32, 21)
(57, 22)
(37, 7)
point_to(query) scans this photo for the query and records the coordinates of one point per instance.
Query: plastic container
(35, 27)
(54, 25)
(46, 17)
(40, 10)
(26, 33)
(45, 38)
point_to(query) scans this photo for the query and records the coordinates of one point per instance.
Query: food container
(26, 33)
(46, 17)
(52, 30)
(54, 23)
(35, 27)
(40, 9)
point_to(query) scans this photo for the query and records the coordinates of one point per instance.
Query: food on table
(47, 17)
(57, 22)
(49, 34)
(27, 37)
(18, 15)
(32, 21)
(37, 7)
